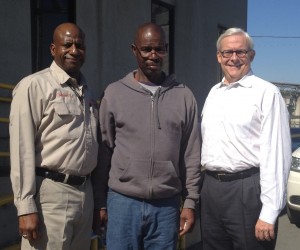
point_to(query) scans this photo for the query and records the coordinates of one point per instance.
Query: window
(163, 15)
(45, 16)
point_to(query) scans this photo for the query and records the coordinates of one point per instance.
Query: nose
(234, 56)
(153, 54)
(74, 49)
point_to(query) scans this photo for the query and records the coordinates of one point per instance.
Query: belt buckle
(85, 179)
(220, 175)
(80, 180)
(66, 178)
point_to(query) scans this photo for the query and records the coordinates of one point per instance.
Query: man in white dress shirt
(246, 152)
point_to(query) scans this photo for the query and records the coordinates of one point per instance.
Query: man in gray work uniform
(53, 140)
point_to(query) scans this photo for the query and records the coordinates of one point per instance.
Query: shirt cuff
(27, 206)
(189, 203)
(269, 215)
(100, 204)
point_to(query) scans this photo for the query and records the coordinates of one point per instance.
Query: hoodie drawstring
(156, 111)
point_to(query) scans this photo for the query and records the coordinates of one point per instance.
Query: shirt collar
(244, 81)
(63, 77)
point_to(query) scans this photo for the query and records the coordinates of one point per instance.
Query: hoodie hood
(168, 83)
(132, 83)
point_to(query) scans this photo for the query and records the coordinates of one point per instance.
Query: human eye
(227, 53)
(241, 52)
(79, 46)
(67, 45)
(160, 49)
(146, 49)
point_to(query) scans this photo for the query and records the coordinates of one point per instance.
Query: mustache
(71, 56)
(156, 60)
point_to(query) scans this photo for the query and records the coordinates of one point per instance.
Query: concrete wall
(15, 62)
(109, 26)
(196, 33)
(15, 40)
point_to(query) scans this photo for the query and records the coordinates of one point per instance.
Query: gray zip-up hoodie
(152, 141)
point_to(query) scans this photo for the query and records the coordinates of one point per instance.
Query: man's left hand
(264, 231)
(187, 221)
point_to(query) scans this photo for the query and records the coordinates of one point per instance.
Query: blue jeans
(142, 224)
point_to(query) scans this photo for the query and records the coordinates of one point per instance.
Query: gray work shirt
(50, 127)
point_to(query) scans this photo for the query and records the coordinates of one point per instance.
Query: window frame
(171, 34)
(39, 28)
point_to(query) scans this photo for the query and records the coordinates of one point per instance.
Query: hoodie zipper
(152, 137)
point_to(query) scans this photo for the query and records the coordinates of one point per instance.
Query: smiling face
(234, 68)
(68, 48)
(150, 50)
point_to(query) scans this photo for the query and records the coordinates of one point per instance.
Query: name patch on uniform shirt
(63, 94)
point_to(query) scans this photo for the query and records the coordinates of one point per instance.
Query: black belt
(225, 176)
(72, 180)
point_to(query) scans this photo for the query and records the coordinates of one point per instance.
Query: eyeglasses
(240, 53)
(146, 51)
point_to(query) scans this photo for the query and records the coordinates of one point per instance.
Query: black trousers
(229, 212)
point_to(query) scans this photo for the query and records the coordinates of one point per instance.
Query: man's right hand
(29, 226)
(100, 221)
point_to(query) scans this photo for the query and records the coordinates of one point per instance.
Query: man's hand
(187, 221)
(100, 221)
(29, 226)
(264, 231)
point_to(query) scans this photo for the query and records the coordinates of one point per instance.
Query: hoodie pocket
(159, 180)
(137, 172)
(166, 182)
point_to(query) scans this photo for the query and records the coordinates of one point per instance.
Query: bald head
(68, 48)
(150, 50)
(148, 29)
(66, 28)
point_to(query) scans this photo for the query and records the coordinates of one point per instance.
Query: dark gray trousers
(229, 212)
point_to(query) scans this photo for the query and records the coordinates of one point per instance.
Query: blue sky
(277, 59)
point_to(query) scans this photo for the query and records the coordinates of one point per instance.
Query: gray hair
(235, 31)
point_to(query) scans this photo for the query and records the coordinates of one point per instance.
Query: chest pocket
(62, 108)
(69, 120)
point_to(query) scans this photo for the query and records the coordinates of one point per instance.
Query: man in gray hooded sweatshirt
(150, 150)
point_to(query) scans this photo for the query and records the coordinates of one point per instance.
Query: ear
(52, 49)
(219, 57)
(252, 55)
(134, 49)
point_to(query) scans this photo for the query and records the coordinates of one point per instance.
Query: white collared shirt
(246, 124)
